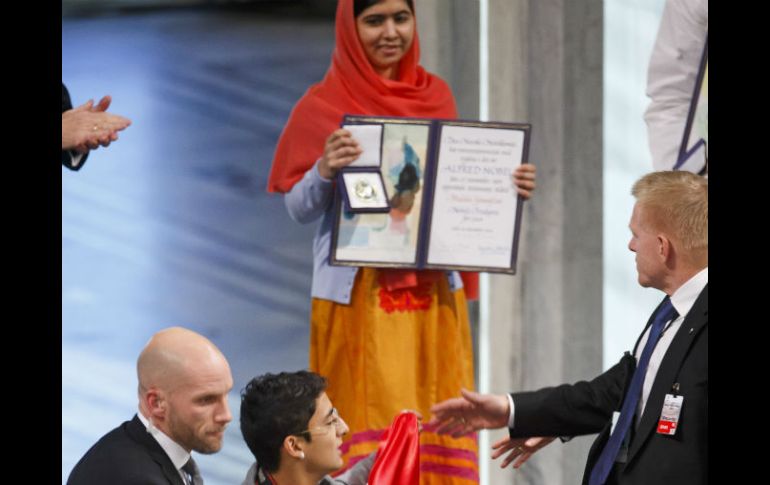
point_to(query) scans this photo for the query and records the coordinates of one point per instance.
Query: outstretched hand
(471, 412)
(521, 449)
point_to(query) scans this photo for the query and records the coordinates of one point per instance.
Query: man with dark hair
(294, 432)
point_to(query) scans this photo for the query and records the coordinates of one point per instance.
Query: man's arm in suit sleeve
(571, 409)
(70, 158)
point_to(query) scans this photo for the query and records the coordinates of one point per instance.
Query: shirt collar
(176, 453)
(684, 298)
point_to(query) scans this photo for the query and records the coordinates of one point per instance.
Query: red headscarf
(352, 86)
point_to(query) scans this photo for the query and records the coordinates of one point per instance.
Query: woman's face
(386, 31)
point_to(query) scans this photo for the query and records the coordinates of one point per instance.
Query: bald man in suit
(183, 385)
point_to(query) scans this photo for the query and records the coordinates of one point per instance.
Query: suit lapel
(138, 432)
(693, 323)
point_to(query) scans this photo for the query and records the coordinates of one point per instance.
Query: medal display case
(361, 183)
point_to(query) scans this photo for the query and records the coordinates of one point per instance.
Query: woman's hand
(340, 151)
(524, 179)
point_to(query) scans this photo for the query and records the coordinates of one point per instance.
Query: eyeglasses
(336, 423)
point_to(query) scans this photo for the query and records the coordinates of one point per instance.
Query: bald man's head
(183, 384)
(171, 355)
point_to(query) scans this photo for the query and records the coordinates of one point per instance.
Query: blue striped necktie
(603, 465)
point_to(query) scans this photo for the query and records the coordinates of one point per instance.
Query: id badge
(669, 417)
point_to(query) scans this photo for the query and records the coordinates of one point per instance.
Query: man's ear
(294, 447)
(664, 248)
(156, 403)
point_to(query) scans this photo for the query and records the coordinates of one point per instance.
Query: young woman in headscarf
(389, 339)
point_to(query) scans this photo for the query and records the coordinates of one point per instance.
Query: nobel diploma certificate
(473, 216)
(451, 200)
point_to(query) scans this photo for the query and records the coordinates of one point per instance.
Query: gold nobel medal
(364, 190)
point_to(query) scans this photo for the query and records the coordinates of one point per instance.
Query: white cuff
(510, 415)
(75, 158)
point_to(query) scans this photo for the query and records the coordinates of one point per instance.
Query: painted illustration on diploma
(405, 177)
(391, 237)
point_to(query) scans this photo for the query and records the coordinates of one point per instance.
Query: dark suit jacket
(127, 455)
(587, 407)
(66, 155)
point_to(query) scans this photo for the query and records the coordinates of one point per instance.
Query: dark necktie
(192, 472)
(604, 464)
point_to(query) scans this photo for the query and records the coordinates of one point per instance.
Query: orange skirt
(393, 350)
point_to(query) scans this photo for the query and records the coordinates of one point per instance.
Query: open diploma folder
(451, 198)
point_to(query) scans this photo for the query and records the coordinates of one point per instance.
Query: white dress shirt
(176, 453)
(75, 158)
(683, 299)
